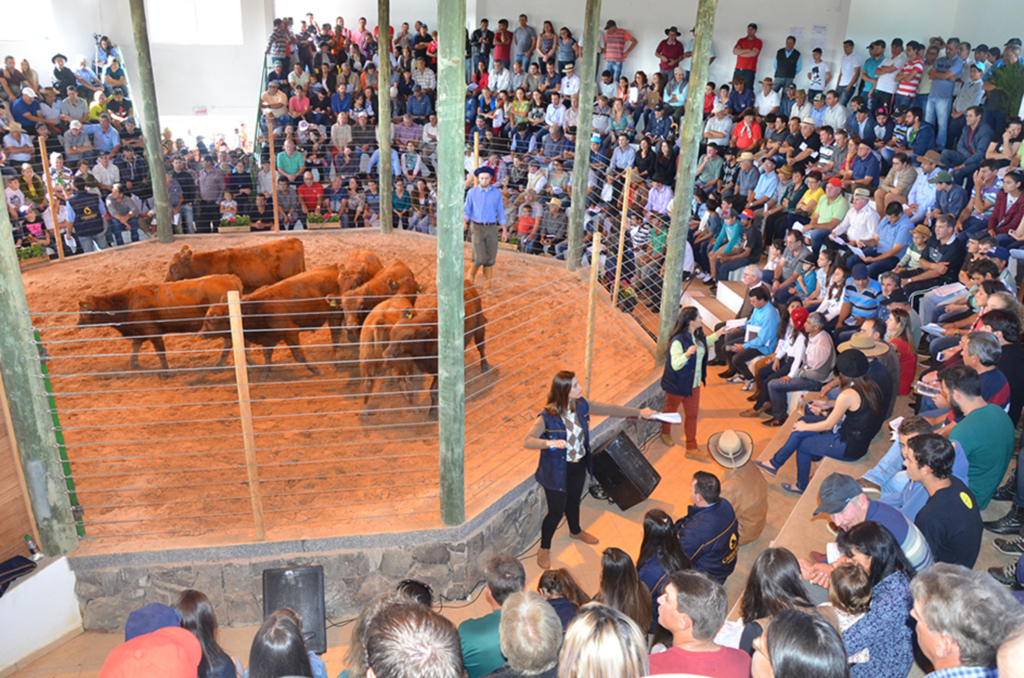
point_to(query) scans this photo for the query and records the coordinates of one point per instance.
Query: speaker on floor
(624, 473)
(300, 589)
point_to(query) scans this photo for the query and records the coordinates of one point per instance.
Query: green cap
(941, 178)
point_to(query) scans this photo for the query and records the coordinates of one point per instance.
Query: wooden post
(451, 100)
(31, 423)
(387, 215)
(245, 411)
(584, 125)
(476, 156)
(149, 113)
(273, 170)
(17, 464)
(623, 224)
(595, 266)
(52, 200)
(689, 135)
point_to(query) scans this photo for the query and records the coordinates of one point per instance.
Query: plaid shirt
(965, 672)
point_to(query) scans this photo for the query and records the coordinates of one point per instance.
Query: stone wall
(356, 568)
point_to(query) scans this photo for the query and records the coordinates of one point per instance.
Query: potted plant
(315, 219)
(235, 224)
(31, 256)
(627, 298)
(1009, 79)
(332, 218)
(511, 244)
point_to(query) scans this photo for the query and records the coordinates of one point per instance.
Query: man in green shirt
(291, 163)
(481, 643)
(984, 431)
(827, 215)
(710, 168)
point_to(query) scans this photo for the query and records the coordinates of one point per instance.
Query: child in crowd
(228, 207)
(832, 302)
(774, 259)
(911, 259)
(849, 594)
(807, 284)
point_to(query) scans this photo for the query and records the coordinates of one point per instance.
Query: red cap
(835, 181)
(747, 214)
(799, 317)
(170, 652)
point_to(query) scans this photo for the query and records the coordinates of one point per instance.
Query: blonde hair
(603, 643)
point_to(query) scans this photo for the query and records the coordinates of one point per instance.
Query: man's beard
(957, 411)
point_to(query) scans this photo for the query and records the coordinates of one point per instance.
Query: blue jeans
(817, 237)
(524, 59)
(933, 305)
(809, 447)
(777, 392)
(900, 100)
(845, 94)
(937, 113)
(118, 228)
(875, 268)
(779, 84)
(888, 473)
(188, 217)
(92, 243)
(616, 69)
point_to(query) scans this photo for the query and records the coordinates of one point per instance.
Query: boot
(544, 559)
(584, 537)
(1011, 523)
(697, 453)
(666, 439)
(1008, 489)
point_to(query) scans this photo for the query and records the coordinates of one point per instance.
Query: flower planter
(233, 229)
(322, 225)
(34, 262)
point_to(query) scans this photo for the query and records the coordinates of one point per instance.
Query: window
(26, 21)
(195, 22)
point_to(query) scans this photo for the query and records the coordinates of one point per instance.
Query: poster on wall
(819, 34)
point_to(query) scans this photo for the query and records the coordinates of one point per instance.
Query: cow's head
(181, 265)
(217, 318)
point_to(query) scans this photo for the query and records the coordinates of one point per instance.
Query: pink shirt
(726, 663)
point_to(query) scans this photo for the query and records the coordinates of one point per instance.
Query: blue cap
(150, 618)
(998, 253)
(860, 272)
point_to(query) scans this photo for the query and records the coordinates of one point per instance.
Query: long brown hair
(559, 583)
(558, 397)
(867, 389)
(622, 589)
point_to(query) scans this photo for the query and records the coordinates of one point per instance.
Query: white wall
(38, 611)
(992, 22)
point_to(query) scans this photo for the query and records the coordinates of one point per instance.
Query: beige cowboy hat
(863, 342)
(731, 449)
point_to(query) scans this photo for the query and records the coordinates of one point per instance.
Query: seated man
(846, 505)
(693, 609)
(708, 534)
(481, 642)
(411, 639)
(971, 147)
(828, 214)
(765, 317)
(743, 486)
(890, 479)
(940, 262)
(531, 636)
(950, 519)
(962, 618)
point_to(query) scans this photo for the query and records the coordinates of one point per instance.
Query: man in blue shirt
(944, 75)
(105, 139)
(883, 251)
(709, 534)
(484, 212)
(861, 297)
(418, 105)
(765, 317)
(866, 168)
(740, 99)
(25, 109)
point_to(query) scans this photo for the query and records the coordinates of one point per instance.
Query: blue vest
(710, 539)
(551, 470)
(680, 382)
(88, 220)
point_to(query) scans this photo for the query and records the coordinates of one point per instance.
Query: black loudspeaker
(624, 472)
(300, 589)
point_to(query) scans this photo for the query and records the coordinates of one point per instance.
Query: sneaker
(737, 379)
(1011, 547)
(1006, 575)
(767, 467)
(748, 387)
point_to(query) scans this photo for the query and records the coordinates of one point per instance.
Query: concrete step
(712, 311)
(731, 294)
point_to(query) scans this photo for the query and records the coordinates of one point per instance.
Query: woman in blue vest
(686, 370)
(660, 556)
(562, 434)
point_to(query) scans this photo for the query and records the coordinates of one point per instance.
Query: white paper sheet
(669, 417)
(934, 329)
(735, 322)
(832, 553)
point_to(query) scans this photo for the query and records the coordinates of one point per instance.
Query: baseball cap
(791, 86)
(609, 24)
(941, 178)
(1013, 42)
(165, 653)
(819, 97)
(29, 92)
(835, 181)
(75, 124)
(747, 214)
(998, 253)
(836, 492)
(149, 618)
(860, 272)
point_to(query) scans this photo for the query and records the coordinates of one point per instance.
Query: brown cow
(414, 337)
(257, 265)
(359, 268)
(147, 312)
(375, 337)
(392, 281)
(278, 313)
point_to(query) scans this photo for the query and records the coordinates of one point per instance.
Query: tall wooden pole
(623, 225)
(595, 266)
(31, 423)
(51, 198)
(689, 134)
(384, 114)
(451, 100)
(584, 125)
(150, 115)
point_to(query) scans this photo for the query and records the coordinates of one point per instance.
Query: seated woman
(898, 330)
(797, 643)
(991, 293)
(775, 584)
(563, 594)
(856, 416)
(885, 630)
(789, 352)
(1006, 223)
(622, 589)
(660, 555)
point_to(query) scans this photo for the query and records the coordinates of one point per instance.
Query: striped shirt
(911, 541)
(615, 44)
(863, 304)
(907, 88)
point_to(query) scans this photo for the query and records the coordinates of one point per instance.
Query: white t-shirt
(887, 82)
(848, 67)
(765, 103)
(816, 76)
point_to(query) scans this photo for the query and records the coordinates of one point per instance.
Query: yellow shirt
(809, 198)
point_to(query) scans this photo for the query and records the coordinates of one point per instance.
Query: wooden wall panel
(15, 522)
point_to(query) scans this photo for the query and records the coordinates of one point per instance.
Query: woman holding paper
(562, 433)
(686, 371)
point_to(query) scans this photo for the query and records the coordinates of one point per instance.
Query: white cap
(718, 107)
(76, 124)
(29, 92)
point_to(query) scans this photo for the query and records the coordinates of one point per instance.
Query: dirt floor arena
(160, 462)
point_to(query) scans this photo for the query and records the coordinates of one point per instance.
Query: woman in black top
(198, 617)
(1004, 148)
(665, 160)
(645, 162)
